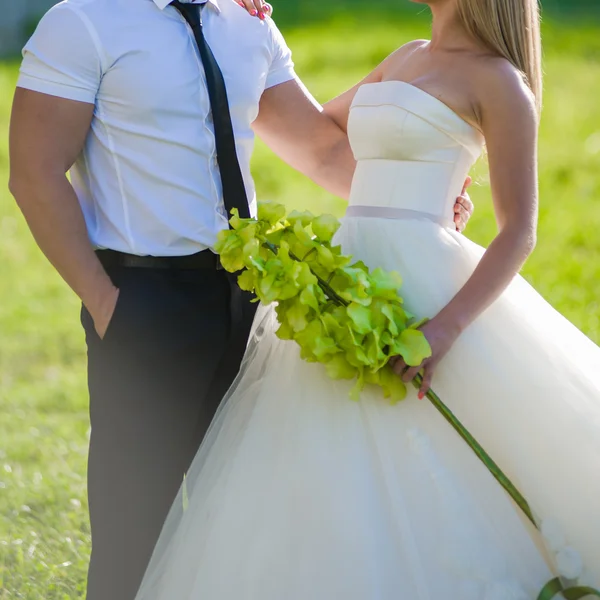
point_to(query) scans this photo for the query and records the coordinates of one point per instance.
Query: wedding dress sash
(389, 212)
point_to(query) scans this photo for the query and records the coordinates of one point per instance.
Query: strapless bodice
(413, 151)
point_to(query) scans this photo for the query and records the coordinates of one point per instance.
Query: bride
(300, 494)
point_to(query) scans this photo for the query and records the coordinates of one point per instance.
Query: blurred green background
(44, 535)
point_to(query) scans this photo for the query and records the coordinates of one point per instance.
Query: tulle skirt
(299, 493)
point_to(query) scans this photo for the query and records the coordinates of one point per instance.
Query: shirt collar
(162, 4)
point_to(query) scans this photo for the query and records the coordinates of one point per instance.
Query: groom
(130, 98)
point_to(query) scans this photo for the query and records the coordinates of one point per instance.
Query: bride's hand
(463, 209)
(441, 337)
(257, 8)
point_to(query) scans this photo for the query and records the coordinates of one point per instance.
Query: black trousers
(156, 379)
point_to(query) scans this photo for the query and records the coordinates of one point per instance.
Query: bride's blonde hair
(511, 29)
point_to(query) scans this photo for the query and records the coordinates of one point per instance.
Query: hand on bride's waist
(441, 335)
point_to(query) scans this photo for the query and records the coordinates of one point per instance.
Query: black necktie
(234, 192)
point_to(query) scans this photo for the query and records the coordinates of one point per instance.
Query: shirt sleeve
(282, 65)
(62, 57)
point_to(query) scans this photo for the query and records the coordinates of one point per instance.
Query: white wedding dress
(298, 493)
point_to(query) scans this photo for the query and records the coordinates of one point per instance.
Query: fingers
(398, 364)
(260, 7)
(411, 373)
(257, 8)
(461, 217)
(463, 211)
(468, 182)
(426, 384)
(465, 201)
(403, 370)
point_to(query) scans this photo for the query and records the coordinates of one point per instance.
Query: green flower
(360, 316)
(303, 218)
(393, 386)
(230, 248)
(338, 367)
(296, 314)
(412, 346)
(271, 212)
(325, 227)
(247, 281)
(385, 285)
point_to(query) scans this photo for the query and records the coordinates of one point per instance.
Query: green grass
(44, 534)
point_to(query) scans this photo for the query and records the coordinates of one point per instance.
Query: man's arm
(51, 117)
(47, 134)
(294, 126)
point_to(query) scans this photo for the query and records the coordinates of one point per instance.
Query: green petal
(339, 368)
(266, 289)
(393, 386)
(356, 356)
(375, 355)
(234, 219)
(309, 298)
(325, 227)
(304, 218)
(302, 236)
(228, 241)
(249, 232)
(324, 346)
(271, 212)
(326, 258)
(305, 275)
(385, 285)
(247, 281)
(296, 316)
(361, 318)
(388, 311)
(233, 261)
(358, 388)
(307, 339)
(332, 326)
(251, 250)
(285, 332)
(413, 346)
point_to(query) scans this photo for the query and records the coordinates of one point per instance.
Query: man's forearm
(55, 219)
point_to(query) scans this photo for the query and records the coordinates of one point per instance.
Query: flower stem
(487, 460)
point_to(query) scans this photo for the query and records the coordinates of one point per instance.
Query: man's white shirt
(147, 179)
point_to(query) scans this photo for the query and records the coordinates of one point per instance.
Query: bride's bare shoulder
(414, 45)
(502, 88)
(401, 54)
(407, 49)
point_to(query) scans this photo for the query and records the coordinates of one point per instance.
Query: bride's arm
(509, 122)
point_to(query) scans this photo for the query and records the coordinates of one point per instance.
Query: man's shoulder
(248, 25)
(83, 4)
(89, 8)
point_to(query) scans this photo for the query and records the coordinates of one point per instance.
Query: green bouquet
(340, 314)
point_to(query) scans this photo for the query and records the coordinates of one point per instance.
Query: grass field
(44, 535)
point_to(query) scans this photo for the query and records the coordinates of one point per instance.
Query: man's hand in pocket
(103, 312)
